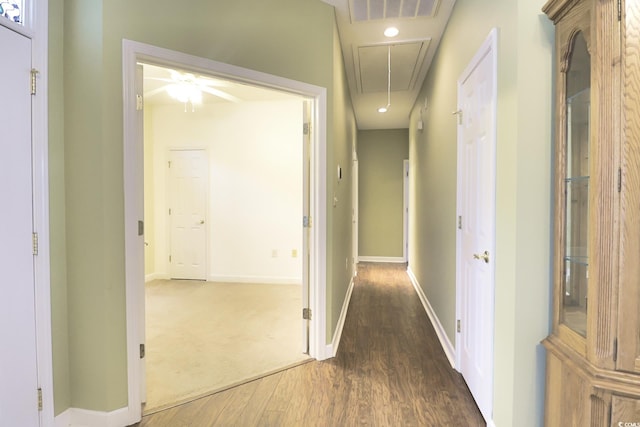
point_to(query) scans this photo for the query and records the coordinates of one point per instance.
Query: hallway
(390, 371)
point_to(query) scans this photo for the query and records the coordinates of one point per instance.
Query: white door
(354, 212)
(188, 184)
(476, 224)
(18, 363)
(405, 212)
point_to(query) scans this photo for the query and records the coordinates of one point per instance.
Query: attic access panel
(406, 61)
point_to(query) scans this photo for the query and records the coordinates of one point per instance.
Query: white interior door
(18, 360)
(188, 186)
(476, 224)
(405, 212)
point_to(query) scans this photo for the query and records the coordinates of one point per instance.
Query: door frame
(36, 28)
(132, 52)
(488, 47)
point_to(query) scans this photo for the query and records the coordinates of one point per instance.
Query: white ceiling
(361, 24)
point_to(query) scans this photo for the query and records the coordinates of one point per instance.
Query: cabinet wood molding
(593, 351)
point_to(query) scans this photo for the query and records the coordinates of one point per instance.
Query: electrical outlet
(294, 253)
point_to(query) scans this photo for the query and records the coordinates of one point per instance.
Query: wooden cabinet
(593, 352)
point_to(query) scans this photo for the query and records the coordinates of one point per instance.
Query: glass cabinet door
(576, 248)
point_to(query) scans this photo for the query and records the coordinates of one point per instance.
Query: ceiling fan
(188, 88)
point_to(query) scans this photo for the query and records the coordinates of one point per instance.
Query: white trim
(446, 344)
(156, 276)
(74, 417)
(394, 260)
(134, 52)
(37, 29)
(332, 349)
(491, 423)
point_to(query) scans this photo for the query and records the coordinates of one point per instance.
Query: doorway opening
(228, 245)
(224, 194)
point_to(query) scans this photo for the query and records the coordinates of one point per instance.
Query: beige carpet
(204, 337)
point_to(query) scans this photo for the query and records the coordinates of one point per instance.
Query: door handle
(484, 256)
(201, 221)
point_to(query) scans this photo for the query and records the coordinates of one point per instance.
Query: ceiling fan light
(185, 92)
(391, 32)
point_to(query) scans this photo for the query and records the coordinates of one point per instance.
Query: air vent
(371, 10)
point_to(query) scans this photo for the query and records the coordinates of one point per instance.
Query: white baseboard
(257, 279)
(448, 348)
(394, 260)
(74, 417)
(156, 276)
(332, 349)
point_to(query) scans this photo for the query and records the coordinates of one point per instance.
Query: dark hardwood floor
(390, 371)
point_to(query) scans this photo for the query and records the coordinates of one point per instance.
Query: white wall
(255, 202)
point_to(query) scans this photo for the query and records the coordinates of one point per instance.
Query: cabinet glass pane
(576, 247)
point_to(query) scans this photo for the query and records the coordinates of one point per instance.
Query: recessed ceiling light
(391, 32)
(382, 110)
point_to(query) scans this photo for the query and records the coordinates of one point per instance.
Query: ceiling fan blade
(160, 79)
(205, 81)
(155, 91)
(219, 94)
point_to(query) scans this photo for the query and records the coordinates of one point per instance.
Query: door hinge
(34, 75)
(169, 258)
(460, 222)
(142, 351)
(306, 128)
(39, 399)
(615, 350)
(306, 313)
(306, 222)
(140, 228)
(458, 114)
(458, 326)
(139, 102)
(169, 164)
(619, 180)
(34, 241)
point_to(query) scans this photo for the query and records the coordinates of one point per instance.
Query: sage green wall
(57, 223)
(295, 39)
(523, 222)
(381, 154)
(339, 224)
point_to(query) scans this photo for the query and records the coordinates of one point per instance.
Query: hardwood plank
(390, 370)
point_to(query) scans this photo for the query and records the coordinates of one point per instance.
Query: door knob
(484, 256)
(201, 221)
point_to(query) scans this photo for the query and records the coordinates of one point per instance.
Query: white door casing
(18, 357)
(476, 115)
(307, 120)
(134, 52)
(188, 188)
